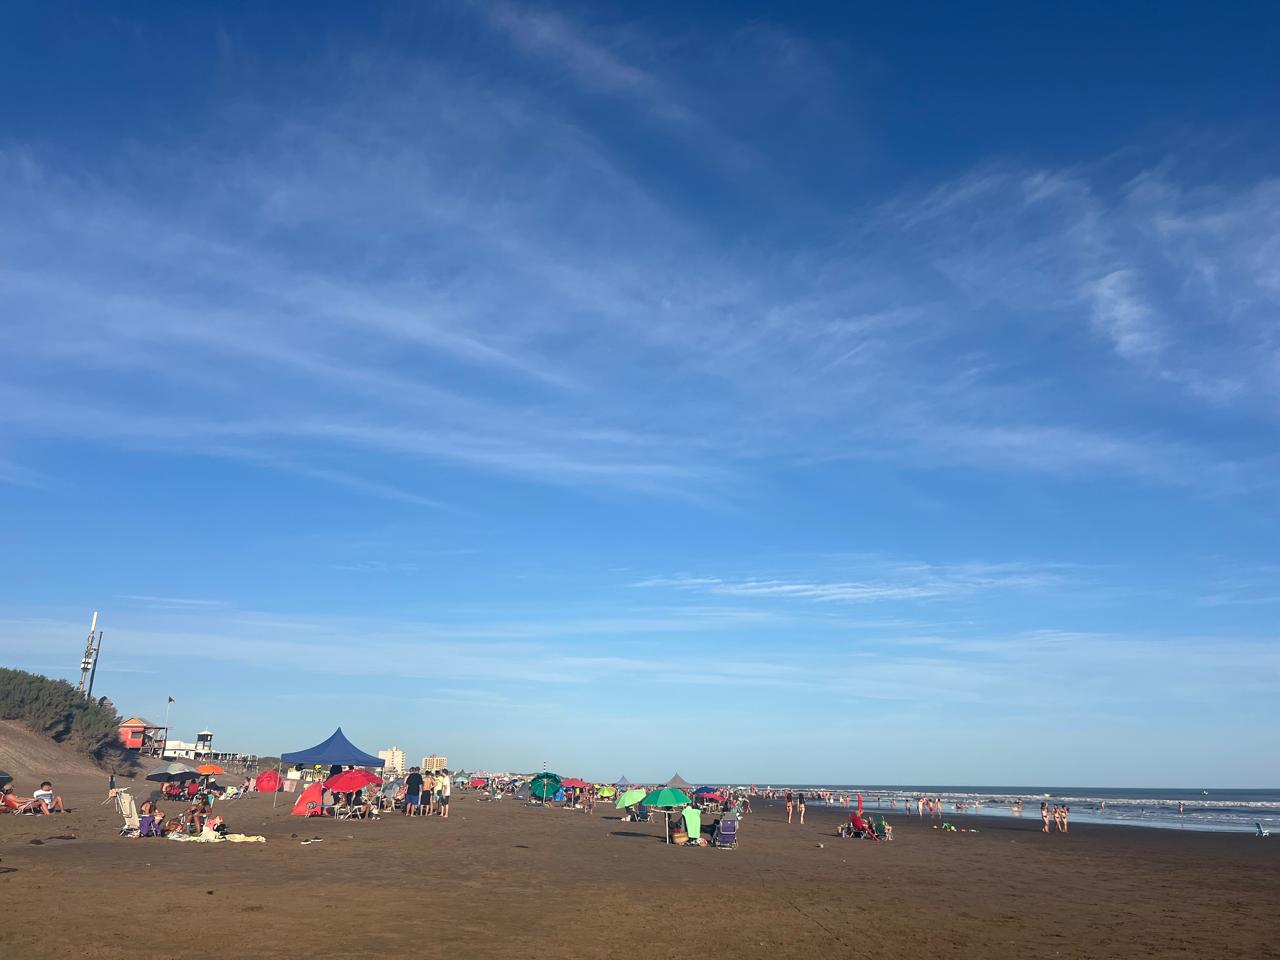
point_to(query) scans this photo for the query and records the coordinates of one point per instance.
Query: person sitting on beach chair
(858, 828)
(150, 820)
(1261, 832)
(12, 803)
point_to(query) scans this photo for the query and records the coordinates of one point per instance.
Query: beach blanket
(208, 837)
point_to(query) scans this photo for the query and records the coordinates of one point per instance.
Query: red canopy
(350, 780)
(714, 797)
(574, 782)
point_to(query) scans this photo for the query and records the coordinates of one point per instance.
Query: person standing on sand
(1066, 814)
(446, 788)
(412, 791)
(1044, 816)
(789, 806)
(800, 807)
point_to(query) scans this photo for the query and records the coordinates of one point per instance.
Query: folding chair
(726, 834)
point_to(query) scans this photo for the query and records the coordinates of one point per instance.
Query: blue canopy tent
(337, 749)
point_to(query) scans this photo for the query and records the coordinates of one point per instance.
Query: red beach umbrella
(574, 782)
(350, 780)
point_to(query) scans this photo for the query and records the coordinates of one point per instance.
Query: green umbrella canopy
(544, 785)
(667, 797)
(607, 792)
(629, 798)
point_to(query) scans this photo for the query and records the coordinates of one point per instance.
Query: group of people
(427, 794)
(41, 802)
(795, 805)
(1060, 814)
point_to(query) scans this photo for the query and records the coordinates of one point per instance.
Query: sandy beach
(503, 878)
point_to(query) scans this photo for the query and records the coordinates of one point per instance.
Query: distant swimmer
(1182, 807)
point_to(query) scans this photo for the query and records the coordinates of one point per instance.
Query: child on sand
(46, 794)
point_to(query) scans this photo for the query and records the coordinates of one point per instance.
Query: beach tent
(268, 781)
(311, 803)
(679, 782)
(622, 783)
(337, 749)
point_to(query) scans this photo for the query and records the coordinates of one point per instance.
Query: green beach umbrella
(544, 785)
(629, 798)
(667, 797)
(607, 792)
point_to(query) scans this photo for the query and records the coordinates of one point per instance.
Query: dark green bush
(56, 709)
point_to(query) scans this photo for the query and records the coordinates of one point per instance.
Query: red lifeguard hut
(143, 736)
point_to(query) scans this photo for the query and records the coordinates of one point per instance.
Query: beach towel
(693, 822)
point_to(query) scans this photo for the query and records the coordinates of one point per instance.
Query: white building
(394, 758)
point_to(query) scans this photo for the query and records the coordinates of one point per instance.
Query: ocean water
(1202, 809)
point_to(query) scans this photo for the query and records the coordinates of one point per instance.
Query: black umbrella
(173, 772)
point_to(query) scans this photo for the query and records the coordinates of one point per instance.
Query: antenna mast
(89, 665)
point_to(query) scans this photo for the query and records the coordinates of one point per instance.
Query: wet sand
(503, 878)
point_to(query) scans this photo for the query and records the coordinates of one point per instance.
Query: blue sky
(601, 386)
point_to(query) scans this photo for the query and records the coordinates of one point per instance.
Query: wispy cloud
(893, 581)
(370, 288)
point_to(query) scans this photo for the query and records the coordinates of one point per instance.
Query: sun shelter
(268, 781)
(337, 749)
(311, 803)
(622, 783)
(679, 782)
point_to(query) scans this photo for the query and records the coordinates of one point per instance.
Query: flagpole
(167, 705)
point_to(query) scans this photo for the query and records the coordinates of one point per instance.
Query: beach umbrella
(210, 770)
(173, 772)
(575, 782)
(667, 798)
(629, 798)
(5, 779)
(390, 788)
(607, 792)
(349, 781)
(544, 785)
(477, 783)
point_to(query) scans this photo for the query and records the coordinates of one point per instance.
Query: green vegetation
(55, 709)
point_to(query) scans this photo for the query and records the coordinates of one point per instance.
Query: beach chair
(726, 833)
(128, 809)
(1261, 832)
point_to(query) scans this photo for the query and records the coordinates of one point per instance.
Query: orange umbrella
(209, 770)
